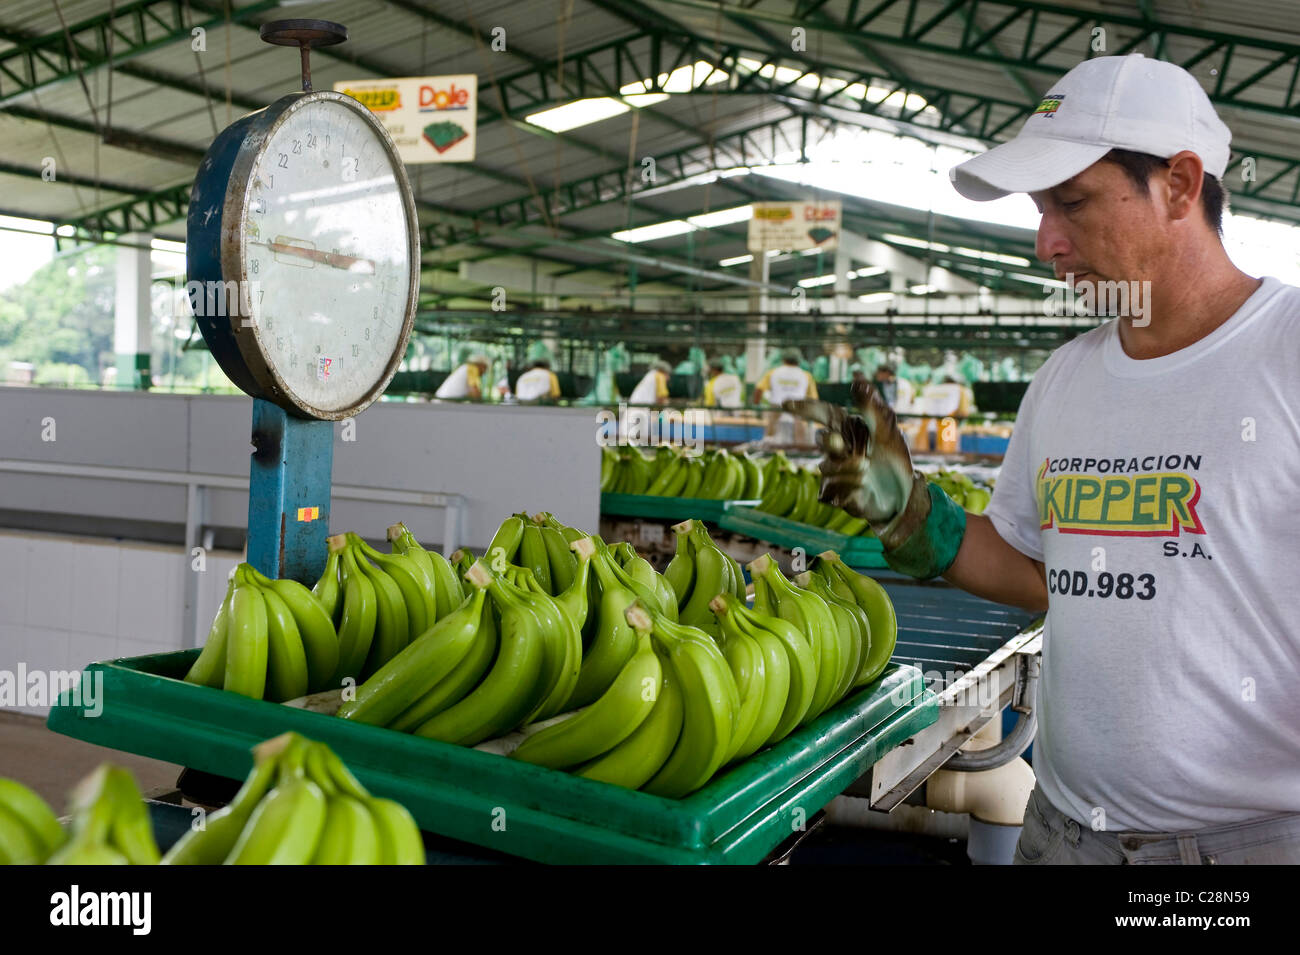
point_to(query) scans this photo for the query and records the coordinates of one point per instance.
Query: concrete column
(756, 348)
(132, 325)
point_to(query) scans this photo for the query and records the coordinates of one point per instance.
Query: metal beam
(1052, 39)
(108, 39)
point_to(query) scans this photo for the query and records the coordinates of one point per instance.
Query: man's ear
(1184, 179)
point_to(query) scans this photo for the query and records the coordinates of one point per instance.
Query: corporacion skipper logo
(1120, 497)
(1050, 104)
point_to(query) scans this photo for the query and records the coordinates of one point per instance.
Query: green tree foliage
(62, 315)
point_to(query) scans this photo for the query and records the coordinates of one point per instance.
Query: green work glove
(867, 470)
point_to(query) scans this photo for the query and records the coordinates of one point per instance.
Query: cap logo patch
(1050, 104)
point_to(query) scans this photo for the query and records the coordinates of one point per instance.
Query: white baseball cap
(1109, 102)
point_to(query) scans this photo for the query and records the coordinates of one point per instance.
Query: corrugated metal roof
(391, 37)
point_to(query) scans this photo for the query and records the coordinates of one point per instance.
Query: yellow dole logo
(383, 100)
(1160, 504)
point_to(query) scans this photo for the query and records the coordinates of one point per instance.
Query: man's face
(1098, 226)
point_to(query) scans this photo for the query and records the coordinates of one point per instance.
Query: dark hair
(540, 363)
(716, 365)
(1139, 167)
(887, 369)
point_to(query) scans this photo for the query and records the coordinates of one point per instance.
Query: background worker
(538, 383)
(786, 382)
(652, 389)
(1167, 709)
(466, 381)
(723, 389)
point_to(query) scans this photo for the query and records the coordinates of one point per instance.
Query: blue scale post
(289, 493)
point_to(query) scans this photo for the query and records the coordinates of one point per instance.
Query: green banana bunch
(439, 579)
(846, 613)
(461, 561)
(604, 724)
(246, 639)
(770, 660)
(875, 603)
(303, 647)
(301, 804)
(110, 823)
(608, 461)
(512, 688)
(562, 638)
(392, 622)
(503, 547)
(712, 577)
(210, 667)
(613, 641)
(659, 599)
(749, 669)
(413, 672)
(561, 564)
(327, 590)
(775, 634)
(808, 613)
(576, 598)
(415, 588)
(634, 761)
(359, 615)
(631, 473)
(211, 844)
(29, 831)
(710, 703)
(694, 477)
(855, 637)
(671, 480)
(532, 554)
(752, 489)
(680, 572)
(457, 684)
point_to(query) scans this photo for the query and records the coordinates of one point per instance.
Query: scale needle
(338, 260)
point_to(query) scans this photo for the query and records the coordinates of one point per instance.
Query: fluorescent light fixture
(735, 260)
(642, 100)
(578, 113)
(711, 220)
(875, 296)
(1036, 280)
(657, 230)
(923, 289)
(868, 271)
(817, 280)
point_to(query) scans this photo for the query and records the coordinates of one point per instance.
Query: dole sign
(794, 226)
(431, 118)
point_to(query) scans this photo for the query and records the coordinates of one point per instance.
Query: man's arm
(989, 567)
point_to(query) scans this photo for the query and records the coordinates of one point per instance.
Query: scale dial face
(321, 230)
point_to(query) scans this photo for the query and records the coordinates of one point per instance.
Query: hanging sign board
(794, 226)
(431, 118)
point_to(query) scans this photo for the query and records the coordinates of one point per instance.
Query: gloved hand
(867, 470)
(866, 466)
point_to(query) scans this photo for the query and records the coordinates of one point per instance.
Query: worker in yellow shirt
(653, 388)
(723, 389)
(538, 383)
(787, 381)
(465, 381)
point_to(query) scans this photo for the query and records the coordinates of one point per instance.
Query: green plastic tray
(864, 552)
(665, 508)
(502, 804)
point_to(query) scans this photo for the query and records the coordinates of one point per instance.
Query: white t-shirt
(647, 389)
(726, 389)
(533, 384)
(458, 382)
(1170, 690)
(785, 383)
